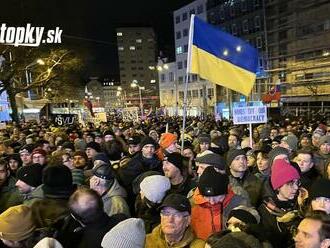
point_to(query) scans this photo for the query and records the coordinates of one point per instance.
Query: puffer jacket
(156, 239)
(206, 218)
(114, 200)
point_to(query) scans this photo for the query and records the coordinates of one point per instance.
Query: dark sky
(96, 21)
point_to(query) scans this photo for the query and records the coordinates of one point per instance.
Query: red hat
(282, 173)
(39, 151)
(167, 139)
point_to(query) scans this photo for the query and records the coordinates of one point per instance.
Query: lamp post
(134, 84)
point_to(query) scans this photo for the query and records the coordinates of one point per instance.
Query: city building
(112, 94)
(298, 35)
(137, 63)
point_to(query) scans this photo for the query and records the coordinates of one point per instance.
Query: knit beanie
(57, 182)
(16, 223)
(101, 156)
(129, 233)
(166, 139)
(94, 145)
(275, 152)
(155, 187)
(39, 151)
(80, 153)
(108, 132)
(31, 175)
(176, 159)
(212, 183)
(292, 141)
(48, 243)
(68, 145)
(282, 173)
(320, 188)
(232, 154)
(246, 214)
(147, 141)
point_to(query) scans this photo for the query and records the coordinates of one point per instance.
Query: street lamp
(28, 75)
(135, 84)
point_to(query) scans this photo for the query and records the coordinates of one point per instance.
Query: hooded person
(14, 162)
(212, 202)
(153, 189)
(129, 233)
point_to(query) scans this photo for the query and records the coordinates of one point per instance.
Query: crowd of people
(131, 184)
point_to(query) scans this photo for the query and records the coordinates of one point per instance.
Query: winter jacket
(321, 160)
(114, 200)
(156, 239)
(184, 187)
(149, 214)
(251, 184)
(206, 218)
(9, 195)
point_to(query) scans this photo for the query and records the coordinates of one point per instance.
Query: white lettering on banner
(247, 115)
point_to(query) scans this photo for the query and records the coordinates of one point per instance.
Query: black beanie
(94, 145)
(232, 154)
(148, 141)
(176, 159)
(31, 174)
(320, 188)
(212, 183)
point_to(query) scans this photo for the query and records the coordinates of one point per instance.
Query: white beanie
(155, 187)
(129, 233)
(48, 243)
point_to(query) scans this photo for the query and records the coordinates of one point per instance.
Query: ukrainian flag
(221, 58)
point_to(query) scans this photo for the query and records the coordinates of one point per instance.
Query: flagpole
(191, 33)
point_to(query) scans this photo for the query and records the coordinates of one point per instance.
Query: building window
(178, 35)
(121, 48)
(200, 9)
(177, 19)
(179, 50)
(245, 26)
(194, 77)
(244, 5)
(162, 78)
(138, 40)
(180, 65)
(185, 64)
(201, 92)
(259, 42)
(192, 12)
(181, 95)
(152, 81)
(119, 34)
(257, 22)
(133, 61)
(180, 79)
(233, 29)
(184, 16)
(133, 68)
(189, 93)
(171, 76)
(185, 48)
(132, 48)
(210, 92)
(195, 93)
(185, 32)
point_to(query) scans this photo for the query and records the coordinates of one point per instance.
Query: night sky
(89, 26)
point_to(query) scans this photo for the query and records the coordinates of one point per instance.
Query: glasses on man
(294, 183)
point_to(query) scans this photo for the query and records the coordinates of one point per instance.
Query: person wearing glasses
(279, 211)
(174, 229)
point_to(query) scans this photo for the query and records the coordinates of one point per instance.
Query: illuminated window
(132, 48)
(119, 34)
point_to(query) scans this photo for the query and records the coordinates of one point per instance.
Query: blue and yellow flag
(221, 58)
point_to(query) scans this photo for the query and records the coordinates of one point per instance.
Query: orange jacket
(206, 218)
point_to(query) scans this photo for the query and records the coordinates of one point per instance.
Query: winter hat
(104, 171)
(320, 188)
(246, 214)
(176, 159)
(79, 145)
(94, 145)
(275, 152)
(129, 233)
(138, 180)
(292, 141)
(282, 173)
(178, 202)
(204, 138)
(48, 243)
(80, 153)
(147, 141)
(57, 182)
(108, 132)
(31, 175)
(68, 145)
(135, 140)
(212, 183)
(101, 156)
(16, 223)
(232, 154)
(166, 139)
(27, 148)
(212, 159)
(39, 151)
(155, 187)
(324, 140)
